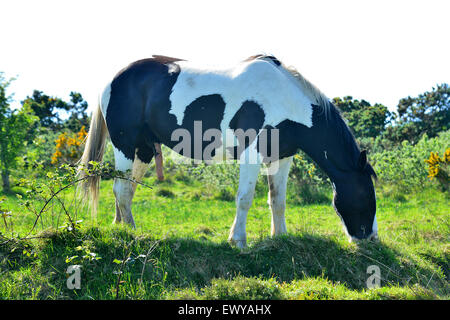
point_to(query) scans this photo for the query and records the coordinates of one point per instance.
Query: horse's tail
(93, 151)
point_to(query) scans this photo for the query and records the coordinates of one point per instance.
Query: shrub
(404, 165)
(308, 183)
(438, 168)
(69, 147)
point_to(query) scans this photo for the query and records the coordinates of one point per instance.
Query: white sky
(380, 51)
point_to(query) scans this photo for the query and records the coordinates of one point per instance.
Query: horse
(151, 99)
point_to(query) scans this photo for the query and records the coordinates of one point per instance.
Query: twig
(154, 245)
(55, 195)
(122, 266)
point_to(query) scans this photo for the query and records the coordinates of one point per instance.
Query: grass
(180, 251)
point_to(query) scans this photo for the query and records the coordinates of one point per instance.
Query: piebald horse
(150, 100)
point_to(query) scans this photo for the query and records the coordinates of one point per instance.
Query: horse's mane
(331, 113)
(319, 98)
(315, 94)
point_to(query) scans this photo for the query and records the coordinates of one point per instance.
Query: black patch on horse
(164, 59)
(135, 90)
(263, 56)
(274, 60)
(340, 147)
(209, 111)
(249, 116)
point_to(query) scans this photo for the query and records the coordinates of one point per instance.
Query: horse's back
(153, 97)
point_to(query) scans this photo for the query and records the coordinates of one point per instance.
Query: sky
(380, 51)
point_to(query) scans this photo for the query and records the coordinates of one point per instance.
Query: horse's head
(355, 201)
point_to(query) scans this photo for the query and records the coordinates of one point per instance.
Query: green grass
(180, 251)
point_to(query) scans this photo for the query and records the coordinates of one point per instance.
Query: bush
(404, 166)
(307, 183)
(439, 168)
(69, 147)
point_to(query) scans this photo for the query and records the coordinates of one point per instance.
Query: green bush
(404, 166)
(307, 183)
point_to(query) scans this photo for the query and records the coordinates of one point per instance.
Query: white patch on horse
(374, 234)
(104, 99)
(374, 227)
(278, 94)
(344, 227)
(122, 163)
(139, 168)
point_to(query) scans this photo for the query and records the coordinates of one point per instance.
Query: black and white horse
(150, 100)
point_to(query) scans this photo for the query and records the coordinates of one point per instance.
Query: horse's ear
(362, 161)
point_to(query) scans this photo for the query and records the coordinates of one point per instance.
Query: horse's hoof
(240, 244)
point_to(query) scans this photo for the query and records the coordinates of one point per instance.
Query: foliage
(375, 145)
(439, 168)
(404, 166)
(78, 117)
(309, 183)
(14, 131)
(221, 175)
(50, 110)
(428, 113)
(364, 119)
(220, 178)
(36, 160)
(39, 196)
(69, 147)
(45, 107)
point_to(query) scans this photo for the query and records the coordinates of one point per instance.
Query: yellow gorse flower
(68, 146)
(447, 156)
(434, 162)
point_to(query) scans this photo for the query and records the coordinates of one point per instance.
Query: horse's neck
(329, 143)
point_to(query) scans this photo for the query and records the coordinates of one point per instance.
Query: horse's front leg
(248, 174)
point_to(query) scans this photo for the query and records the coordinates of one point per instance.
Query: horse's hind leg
(125, 187)
(277, 195)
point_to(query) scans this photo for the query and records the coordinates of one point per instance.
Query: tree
(78, 117)
(15, 126)
(365, 120)
(428, 113)
(45, 107)
(51, 110)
